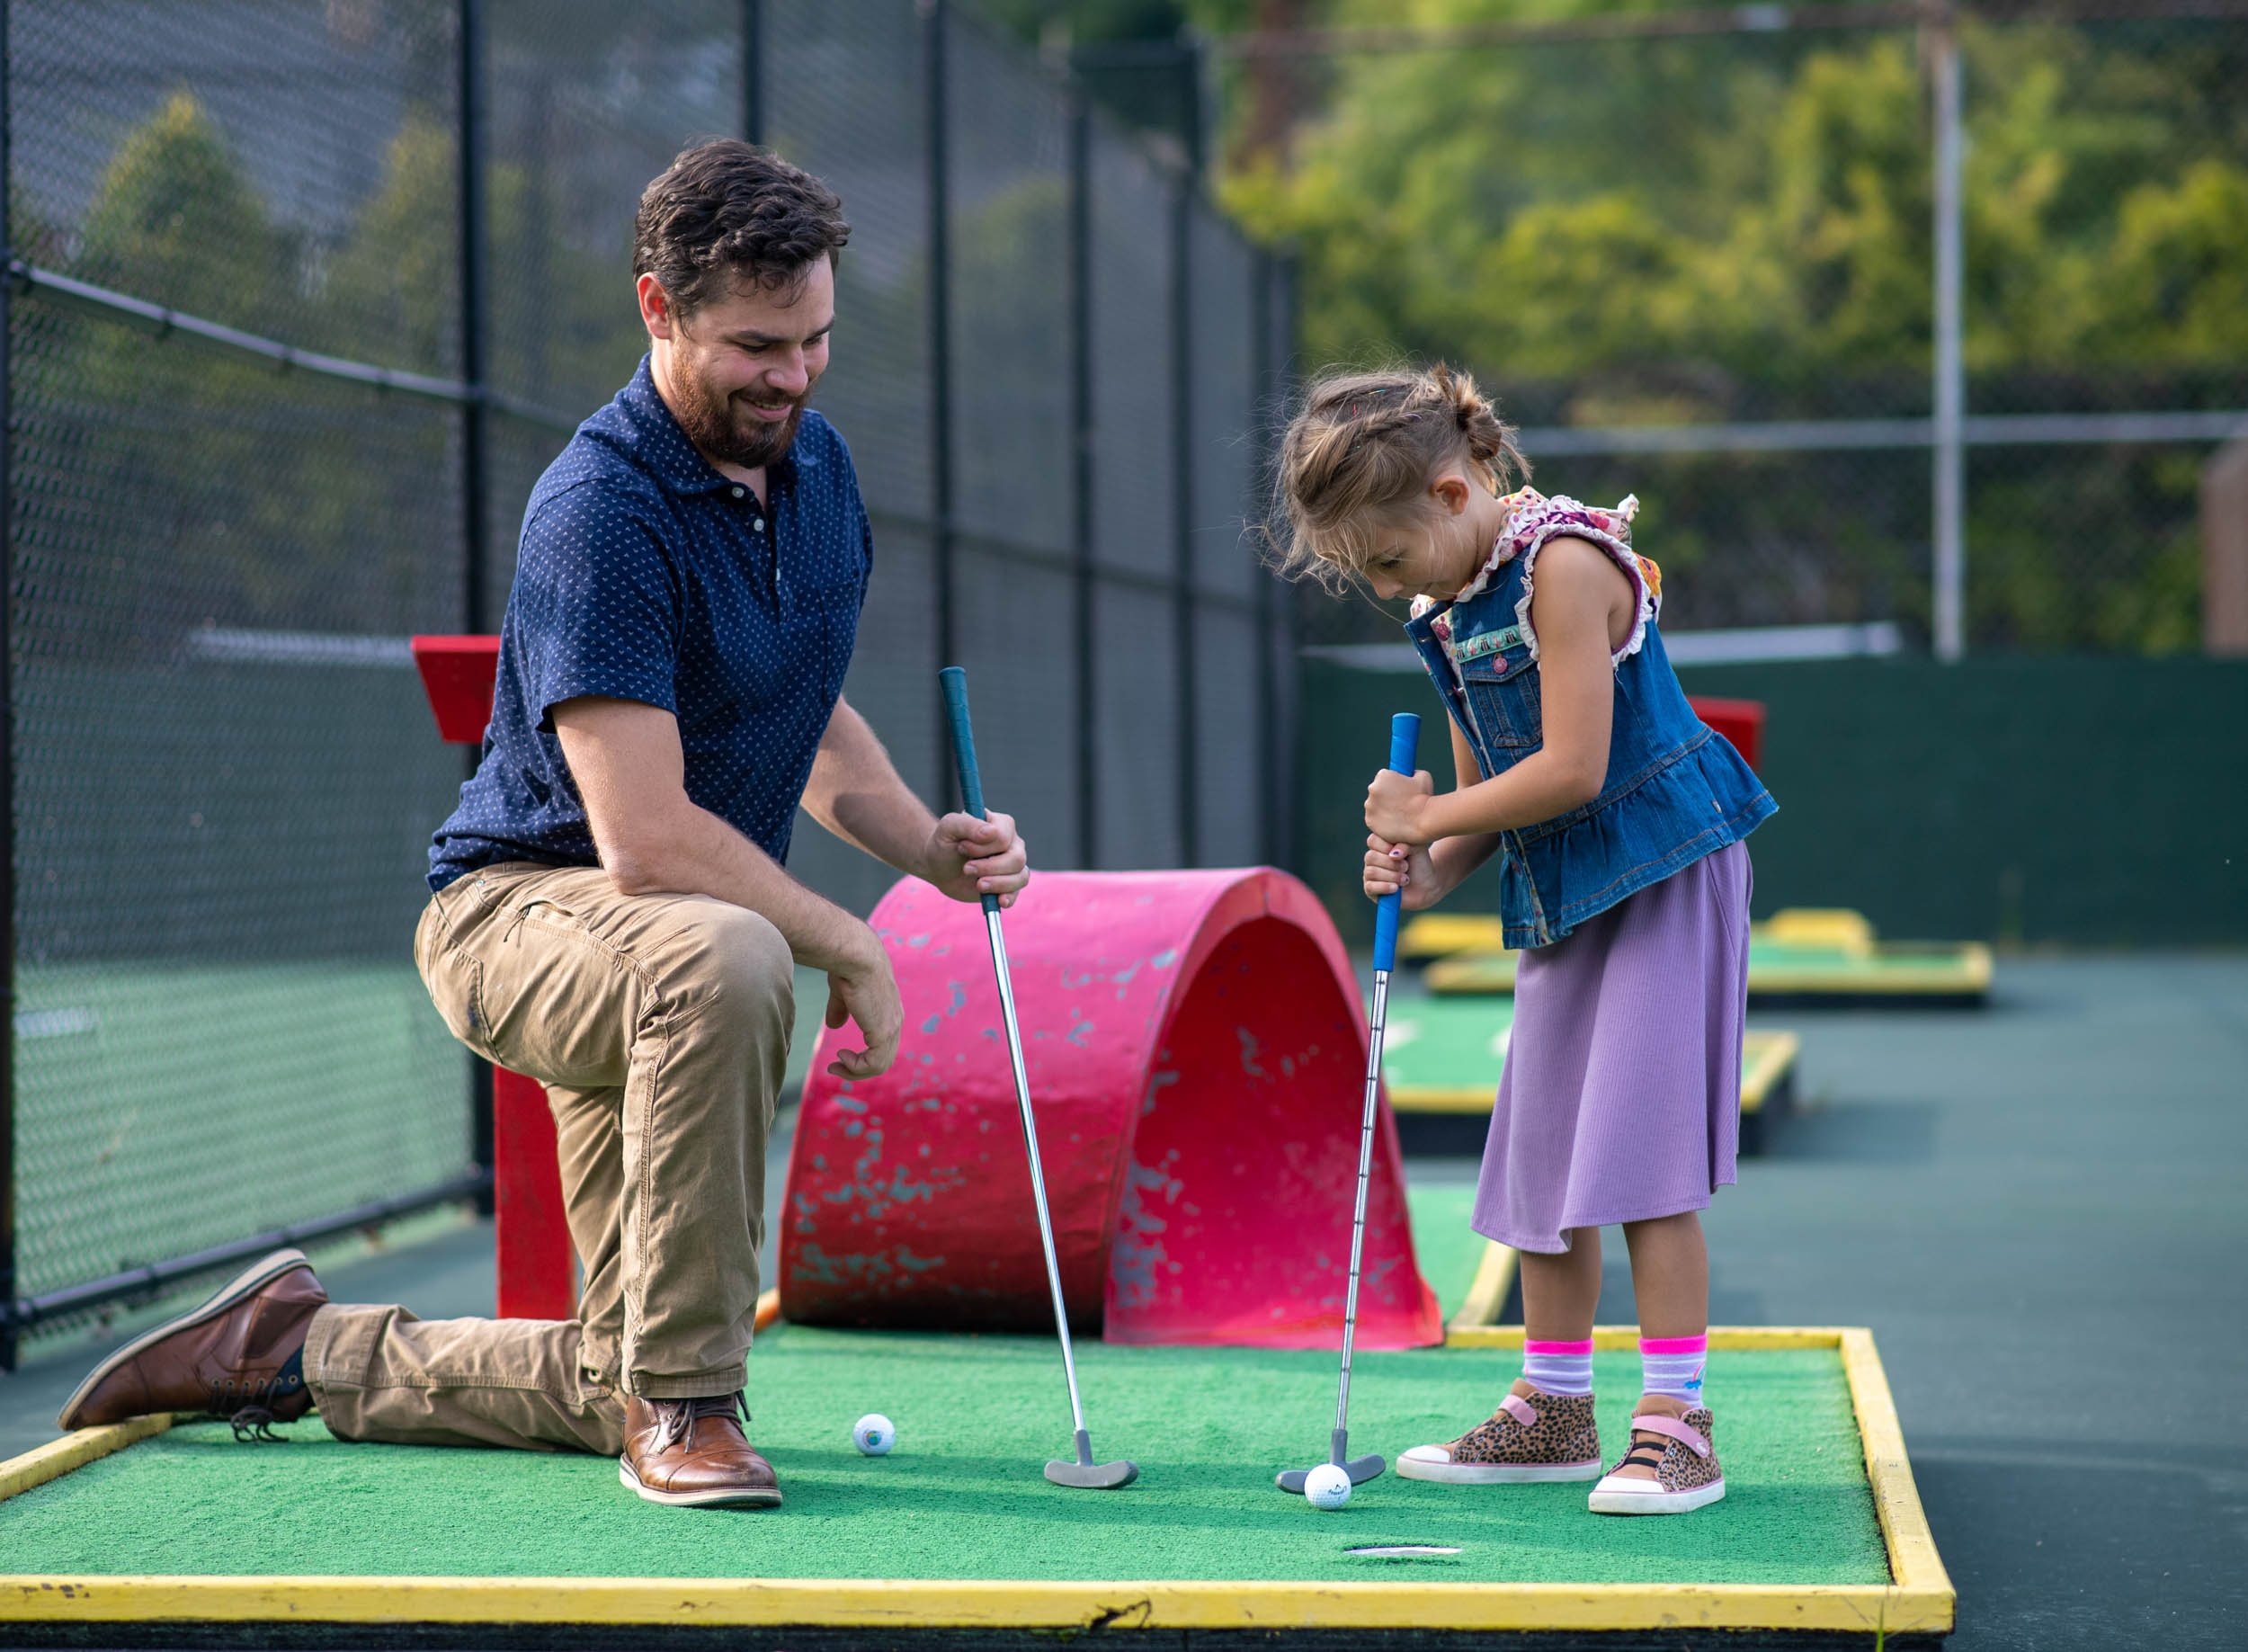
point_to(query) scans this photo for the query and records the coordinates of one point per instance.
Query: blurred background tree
(1736, 228)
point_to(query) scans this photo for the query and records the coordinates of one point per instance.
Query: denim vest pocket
(1505, 700)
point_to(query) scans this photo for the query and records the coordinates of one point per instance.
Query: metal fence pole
(1261, 410)
(7, 733)
(468, 147)
(1282, 390)
(1949, 596)
(1081, 431)
(933, 18)
(753, 70)
(1183, 464)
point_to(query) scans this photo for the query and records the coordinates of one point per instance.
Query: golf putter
(1085, 1473)
(1404, 740)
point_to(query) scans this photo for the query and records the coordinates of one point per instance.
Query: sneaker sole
(755, 1498)
(1497, 1474)
(1655, 1501)
(259, 1273)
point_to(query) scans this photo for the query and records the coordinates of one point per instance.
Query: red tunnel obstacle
(1197, 1052)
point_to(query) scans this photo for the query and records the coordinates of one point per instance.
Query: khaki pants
(659, 1025)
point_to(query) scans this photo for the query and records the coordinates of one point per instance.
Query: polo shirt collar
(674, 461)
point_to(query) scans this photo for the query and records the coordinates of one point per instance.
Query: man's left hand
(968, 858)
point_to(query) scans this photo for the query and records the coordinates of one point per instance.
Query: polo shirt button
(738, 492)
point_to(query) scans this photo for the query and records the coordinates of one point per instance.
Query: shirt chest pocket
(1503, 700)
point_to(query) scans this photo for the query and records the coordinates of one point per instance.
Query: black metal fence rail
(299, 301)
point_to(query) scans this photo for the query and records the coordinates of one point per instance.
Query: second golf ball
(874, 1433)
(1326, 1488)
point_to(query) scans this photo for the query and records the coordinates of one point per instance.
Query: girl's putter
(1404, 740)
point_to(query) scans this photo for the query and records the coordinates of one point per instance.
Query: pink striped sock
(1672, 1365)
(1558, 1367)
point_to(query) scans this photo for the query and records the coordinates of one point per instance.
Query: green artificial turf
(962, 1496)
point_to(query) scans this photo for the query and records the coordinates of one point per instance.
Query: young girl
(1618, 817)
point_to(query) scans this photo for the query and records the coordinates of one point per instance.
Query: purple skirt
(1621, 1095)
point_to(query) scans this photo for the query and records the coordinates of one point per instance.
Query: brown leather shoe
(691, 1453)
(225, 1357)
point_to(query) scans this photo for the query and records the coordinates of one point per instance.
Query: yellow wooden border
(1766, 1055)
(1486, 1297)
(57, 1458)
(1770, 1056)
(1919, 1599)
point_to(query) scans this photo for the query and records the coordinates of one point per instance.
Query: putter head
(1092, 1477)
(1359, 1469)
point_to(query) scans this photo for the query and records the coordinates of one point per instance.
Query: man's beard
(729, 435)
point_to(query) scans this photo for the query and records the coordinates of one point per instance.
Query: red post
(1741, 721)
(537, 1268)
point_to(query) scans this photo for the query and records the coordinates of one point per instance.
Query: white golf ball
(874, 1435)
(1326, 1488)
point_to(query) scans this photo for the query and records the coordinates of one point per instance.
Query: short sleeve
(596, 604)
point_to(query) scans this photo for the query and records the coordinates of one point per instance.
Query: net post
(7, 732)
(754, 71)
(1082, 460)
(1280, 387)
(934, 16)
(476, 609)
(1182, 331)
(1261, 428)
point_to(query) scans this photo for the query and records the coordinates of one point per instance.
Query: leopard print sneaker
(1684, 1458)
(1529, 1438)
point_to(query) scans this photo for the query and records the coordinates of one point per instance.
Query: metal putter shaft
(1404, 740)
(1085, 1473)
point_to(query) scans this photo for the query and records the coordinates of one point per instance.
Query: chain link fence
(1051, 365)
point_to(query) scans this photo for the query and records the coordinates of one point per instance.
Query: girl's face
(1434, 551)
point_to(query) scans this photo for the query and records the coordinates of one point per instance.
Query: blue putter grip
(1405, 747)
(954, 682)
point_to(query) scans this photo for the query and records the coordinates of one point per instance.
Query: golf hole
(1400, 1551)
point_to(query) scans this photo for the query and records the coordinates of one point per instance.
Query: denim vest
(1673, 792)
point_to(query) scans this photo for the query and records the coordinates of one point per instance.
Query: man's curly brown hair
(727, 212)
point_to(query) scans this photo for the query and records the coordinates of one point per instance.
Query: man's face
(743, 365)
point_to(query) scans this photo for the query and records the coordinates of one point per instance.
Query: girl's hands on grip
(1394, 804)
(1401, 868)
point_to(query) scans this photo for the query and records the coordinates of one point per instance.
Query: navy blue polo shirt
(646, 575)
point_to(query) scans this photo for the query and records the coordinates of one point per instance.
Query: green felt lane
(1448, 1250)
(1446, 1043)
(962, 1496)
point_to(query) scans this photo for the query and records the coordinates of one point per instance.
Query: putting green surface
(962, 1497)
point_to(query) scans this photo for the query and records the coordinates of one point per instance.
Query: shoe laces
(248, 1407)
(675, 1418)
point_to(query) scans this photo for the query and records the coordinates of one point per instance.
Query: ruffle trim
(1561, 517)
(1536, 519)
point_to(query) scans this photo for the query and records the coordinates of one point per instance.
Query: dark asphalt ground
(2040, 1211)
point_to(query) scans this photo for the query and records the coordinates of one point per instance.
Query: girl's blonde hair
(1360, 452)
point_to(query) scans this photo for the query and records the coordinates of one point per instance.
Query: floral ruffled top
(1533, 519)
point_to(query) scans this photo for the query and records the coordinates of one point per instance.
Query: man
(609, 911)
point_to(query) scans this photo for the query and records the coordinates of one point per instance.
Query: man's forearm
(704, 855)
(855, 792)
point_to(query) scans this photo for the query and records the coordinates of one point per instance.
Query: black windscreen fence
(266, 422)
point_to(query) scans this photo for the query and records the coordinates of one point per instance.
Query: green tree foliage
(1738, 228)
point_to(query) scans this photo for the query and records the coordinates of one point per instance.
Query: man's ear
(656, 307)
